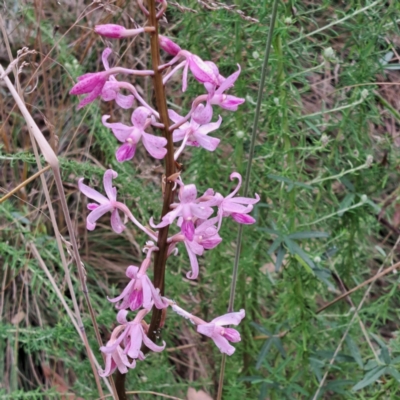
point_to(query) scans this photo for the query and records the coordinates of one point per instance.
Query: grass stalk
(247, 179)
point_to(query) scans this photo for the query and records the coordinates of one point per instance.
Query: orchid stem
(247, 180)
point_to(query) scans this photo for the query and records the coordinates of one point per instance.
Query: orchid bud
(168, 45)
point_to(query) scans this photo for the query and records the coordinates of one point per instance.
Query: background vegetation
(326, 167)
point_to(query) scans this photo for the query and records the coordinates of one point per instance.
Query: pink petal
(135, 341)
(151, 345)
(91, 96)
(91, 193)
(211, 242)
(124, 101)
(223, 345)
(169, 218)
(231, 207)
(207, 329)
(121, 317)
(228, 82)
(125, 152)
(232, 335)
(154, 145)
(104, 57)
(187, 229)
(110, 30)
(147, 298)
(201, 211)
(207, 128)
(120, 131)
(116, 223)
(95, 215)
(89, 83)
(245, 200)
(178, 135)
(124, 293)
(243, 219)
(158, 302)
(168, 45)
(185, 77)
(109, 368)
(233, 318)
(193, 274)
(131, 272)
(109, 91)
(227, 102)
(139, 117)
(188, 193)
(203, 115)
(107, 183)
(207, 142)
(200, 70)
(175, 117)
(135, 299)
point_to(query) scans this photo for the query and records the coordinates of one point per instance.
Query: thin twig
(24, 183)
(247, 180)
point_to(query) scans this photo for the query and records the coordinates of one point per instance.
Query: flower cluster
(197, 218)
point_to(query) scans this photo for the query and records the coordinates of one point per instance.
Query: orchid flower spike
(188, 208)
(194, 134)
(106, 204)
(140, 291)
(131, 135)
(220, 335)
(131, 336)
(233, 206)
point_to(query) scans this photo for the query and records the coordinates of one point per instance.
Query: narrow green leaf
(370, 378)
(308, 235)
(279, 258)
(354, 351)
(275, 244)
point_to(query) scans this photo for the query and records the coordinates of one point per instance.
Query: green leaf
(275, 244)
(395, 374)
(385, 355)
(279, 258)
(308, 235)
(370, 378)
(354, 351)
(296, 249)
(346, 203)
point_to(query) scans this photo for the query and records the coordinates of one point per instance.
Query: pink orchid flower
(233, 206)
(111, 91)
(215, 329)
(140, 291)
(106, 204)
(201, 71)
(105, 84)
(116, 359)
(220, 335)
(131, 135)
(131, 336)
(205, 237)
(188, 208)
(217, 97)
(194, 134)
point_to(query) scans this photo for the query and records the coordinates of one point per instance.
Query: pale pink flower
(195, 134)
(131, 135)
(220, 335)
(111, 90)
(131, 336)
(105, 204)
(140, 291)
(117, 358)
(205, 237)
(188, 209)
(236, 207)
